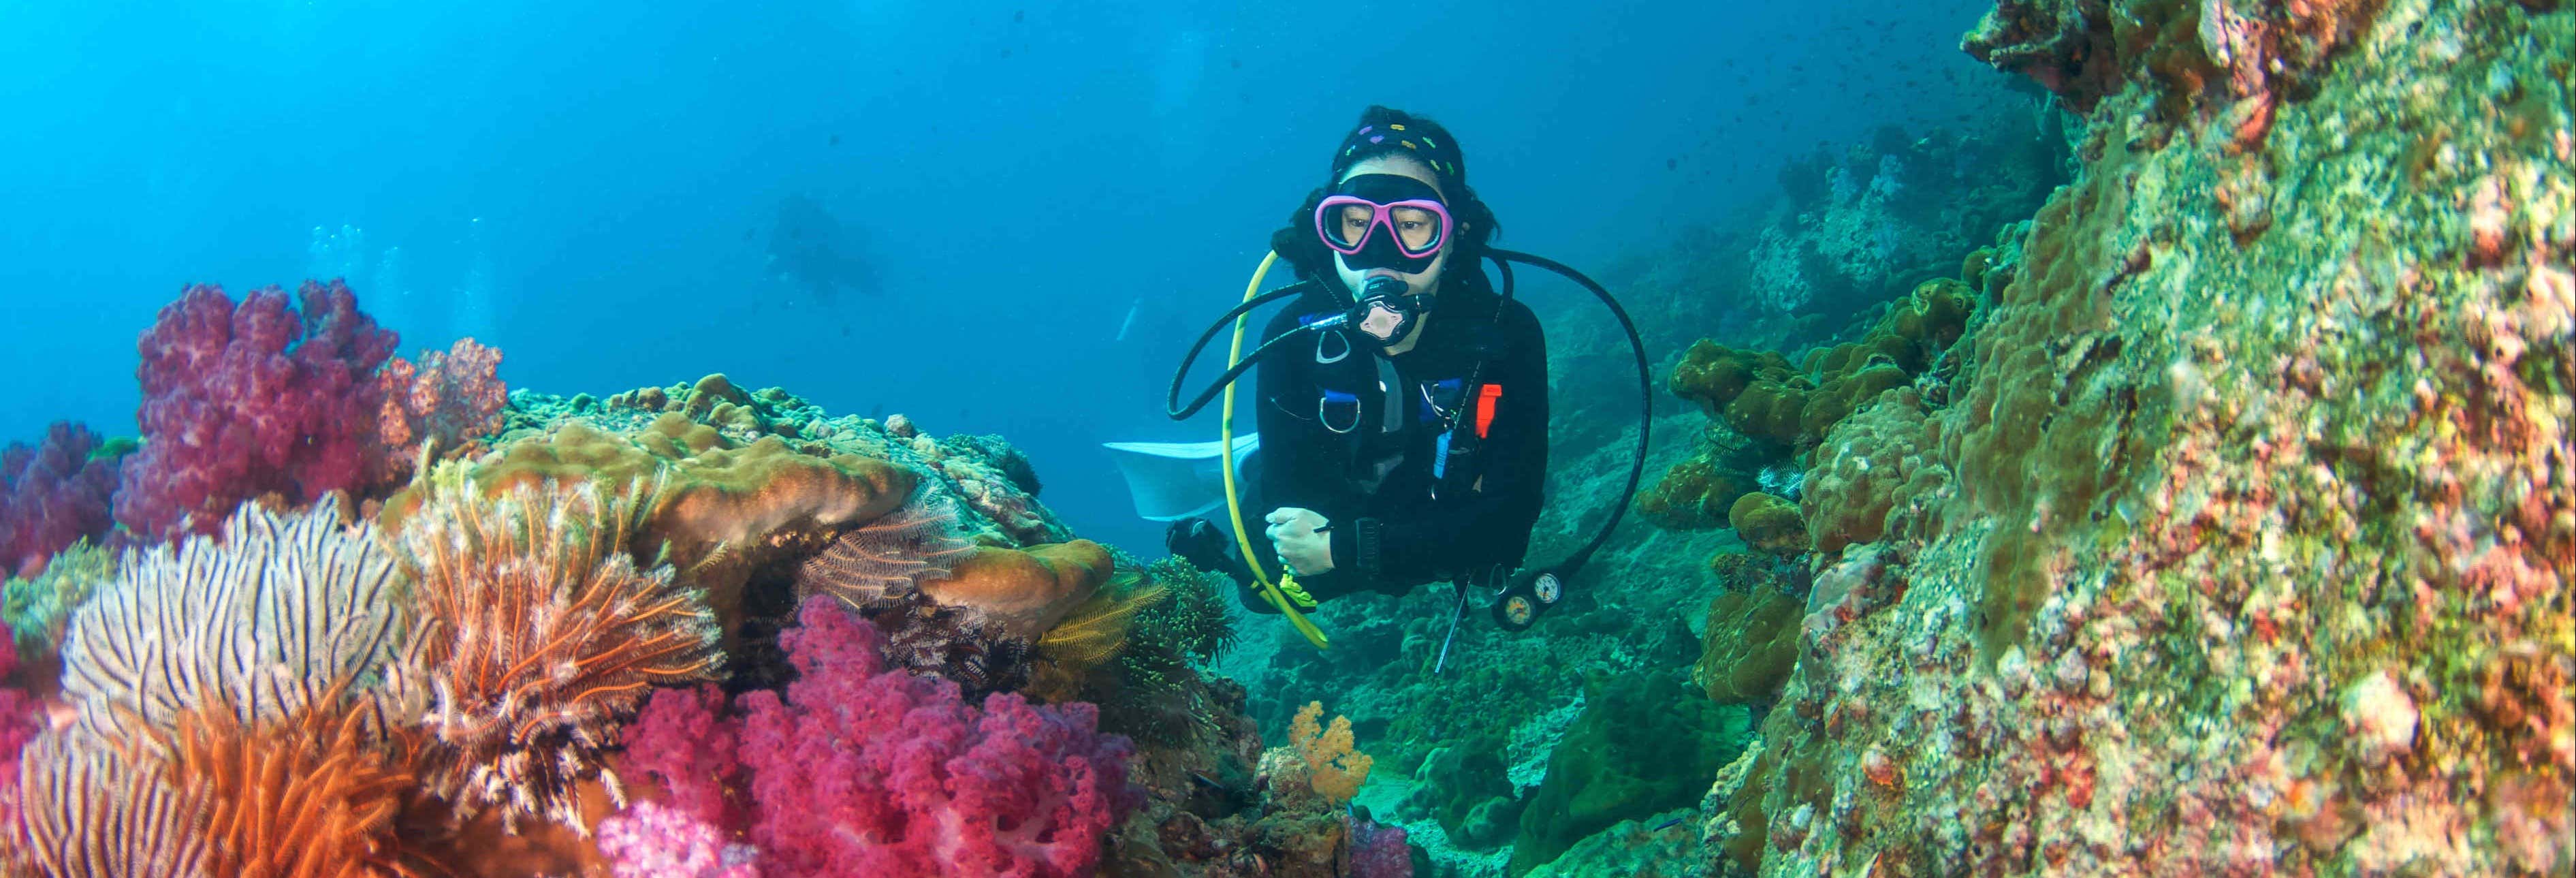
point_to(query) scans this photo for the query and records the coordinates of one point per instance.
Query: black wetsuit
(1325, 445)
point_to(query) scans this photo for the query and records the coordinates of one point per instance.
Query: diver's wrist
(1359, 543)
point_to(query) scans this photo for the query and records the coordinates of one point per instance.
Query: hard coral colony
(2191, 493)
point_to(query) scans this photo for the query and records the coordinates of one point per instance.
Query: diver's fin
(1175, 480)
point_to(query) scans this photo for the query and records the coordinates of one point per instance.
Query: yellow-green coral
(36, 609)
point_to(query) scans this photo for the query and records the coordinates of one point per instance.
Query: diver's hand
(1303, 549)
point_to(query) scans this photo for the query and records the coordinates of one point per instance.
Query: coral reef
(865, 768)
(539, 634)
(1780, 416)
(245, 401)
(995, 480)
(314, 793)
(1698, 492)
(967, 611)
(21, 718)
(51, 496)
(1768, 523)
(88, 808)
(450, 677)
(2226, 63)
(1379, 851)
(1876, 478)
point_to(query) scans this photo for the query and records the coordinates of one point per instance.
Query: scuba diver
(1411, 446)
(1403, 400)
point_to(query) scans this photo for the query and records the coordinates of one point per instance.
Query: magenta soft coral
(51, 495)
(244, 401)
(866, 770)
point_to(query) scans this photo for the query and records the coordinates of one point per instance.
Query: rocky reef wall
(2254, 550)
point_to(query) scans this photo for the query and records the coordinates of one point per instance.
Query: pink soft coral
(244, 401)
(651, 841)
(51, 495)
(448, 399)
(682, 738)
(866, 770)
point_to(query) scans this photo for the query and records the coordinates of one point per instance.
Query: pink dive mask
(1384, 221)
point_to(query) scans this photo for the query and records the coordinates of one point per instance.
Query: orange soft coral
(1336, 768)
(311, 795)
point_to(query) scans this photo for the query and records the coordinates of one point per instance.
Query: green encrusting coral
(1644, 745)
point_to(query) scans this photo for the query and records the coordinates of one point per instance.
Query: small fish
(1130, 322)
(1668, 824)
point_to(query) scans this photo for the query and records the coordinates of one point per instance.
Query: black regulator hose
(1172, 404)
(1537, 590)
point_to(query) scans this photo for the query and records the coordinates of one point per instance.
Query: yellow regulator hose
(1233, 497)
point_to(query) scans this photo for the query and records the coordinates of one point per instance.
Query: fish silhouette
(808, 247)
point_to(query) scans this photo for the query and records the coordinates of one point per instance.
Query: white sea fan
(267, 619)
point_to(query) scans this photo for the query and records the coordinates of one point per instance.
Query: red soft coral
(51, 495)
(865, 770)
(244, 401)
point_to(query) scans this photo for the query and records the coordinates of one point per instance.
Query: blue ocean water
(1030, 207)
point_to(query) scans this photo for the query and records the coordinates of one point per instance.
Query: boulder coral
(1752, 637)
(1789, 411)
(1873, 476)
